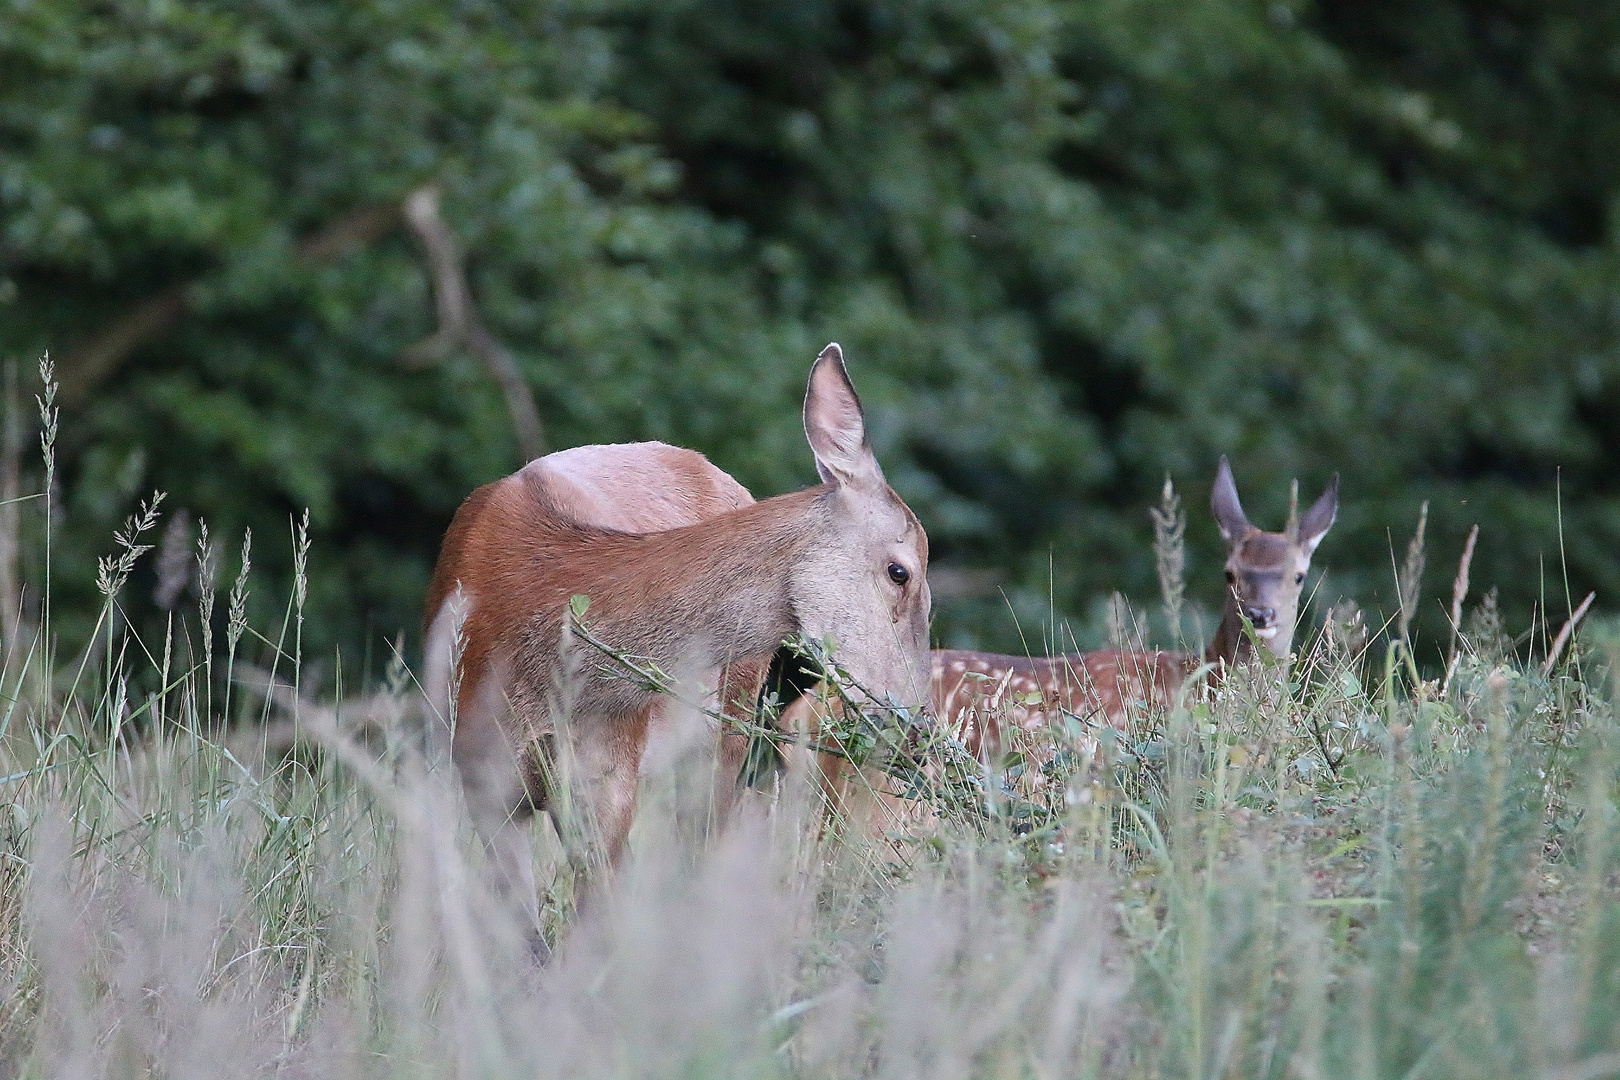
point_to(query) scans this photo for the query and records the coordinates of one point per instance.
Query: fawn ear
(834, 424)
(1224, 504)
(1319, 518)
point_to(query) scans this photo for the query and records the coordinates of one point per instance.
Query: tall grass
(1350, 873)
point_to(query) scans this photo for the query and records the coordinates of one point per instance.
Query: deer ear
(1319, 518)
(1224, 504)
(834, 425)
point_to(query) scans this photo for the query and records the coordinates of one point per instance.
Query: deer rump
(566, 497)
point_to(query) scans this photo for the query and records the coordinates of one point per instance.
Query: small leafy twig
(862, 730)
(645, 674)
(1333, 759)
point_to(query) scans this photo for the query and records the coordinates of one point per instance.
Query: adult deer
(975, 692)
(846, 560)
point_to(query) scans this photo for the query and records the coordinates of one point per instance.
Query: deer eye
(898, 574)
(1231, 578)
(1299, 579)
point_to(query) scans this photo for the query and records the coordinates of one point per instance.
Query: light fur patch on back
(637, 487)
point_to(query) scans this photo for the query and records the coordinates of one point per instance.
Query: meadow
(1395, 859)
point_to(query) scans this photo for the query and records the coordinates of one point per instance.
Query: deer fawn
(1265, 571)
(845, 560)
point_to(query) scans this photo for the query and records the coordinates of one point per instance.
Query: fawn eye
(1299, 579)
(1231, 578)
(898, 574)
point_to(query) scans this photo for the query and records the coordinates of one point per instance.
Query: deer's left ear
(1319, 518)
(834, 424)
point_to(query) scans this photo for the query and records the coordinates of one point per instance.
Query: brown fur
(691, 598)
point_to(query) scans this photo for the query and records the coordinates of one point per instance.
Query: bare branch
(460, 324)
(87, 367)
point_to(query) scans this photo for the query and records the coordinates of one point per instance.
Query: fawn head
(1265, 571)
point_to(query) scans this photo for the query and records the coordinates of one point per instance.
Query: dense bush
(1068, 246)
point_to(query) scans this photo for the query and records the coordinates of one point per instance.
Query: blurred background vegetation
(1069, 246)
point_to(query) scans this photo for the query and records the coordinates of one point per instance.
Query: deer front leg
(738, 691)
(502, 812)
(602, 796)
(509, 848)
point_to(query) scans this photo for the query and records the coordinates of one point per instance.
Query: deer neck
(713, 592)
(1230, 644)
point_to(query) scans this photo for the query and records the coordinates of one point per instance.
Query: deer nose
(1260, 616)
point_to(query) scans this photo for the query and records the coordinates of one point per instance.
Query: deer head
(862, 581)
(1265, 571)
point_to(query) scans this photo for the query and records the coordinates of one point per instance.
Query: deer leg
(502, 811)
(604, 773)
(738, 691)
(511, 862)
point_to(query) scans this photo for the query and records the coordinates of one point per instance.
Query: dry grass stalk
(1564, 634)
(49, 412)
(1169, 551)
(1410, 581)
(1459, 593)
(1118, 620)
(112, 571)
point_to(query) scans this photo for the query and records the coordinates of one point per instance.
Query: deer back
(637, 487)
(648, 487)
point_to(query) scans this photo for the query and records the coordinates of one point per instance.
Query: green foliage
(1068, 246)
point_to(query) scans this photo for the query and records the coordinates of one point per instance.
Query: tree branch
(85, 368)
(460, 324)
(89, 366)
